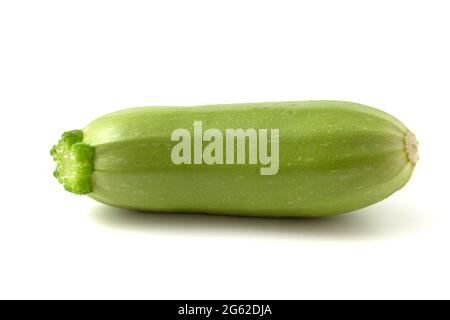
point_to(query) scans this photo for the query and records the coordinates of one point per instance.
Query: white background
(64, 63)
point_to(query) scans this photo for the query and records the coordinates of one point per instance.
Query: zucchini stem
(74, 162)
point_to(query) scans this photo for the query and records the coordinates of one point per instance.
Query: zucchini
(277, 159)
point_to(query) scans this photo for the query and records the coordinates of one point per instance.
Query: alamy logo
(233, 142)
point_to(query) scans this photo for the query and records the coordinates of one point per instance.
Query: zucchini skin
(334, 157)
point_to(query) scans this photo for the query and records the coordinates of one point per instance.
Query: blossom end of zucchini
(74, 162)
(412, 147)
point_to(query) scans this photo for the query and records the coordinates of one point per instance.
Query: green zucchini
(278, 159)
